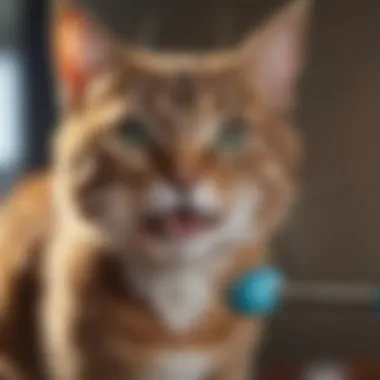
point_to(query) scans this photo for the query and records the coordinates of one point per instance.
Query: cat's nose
(183, 182)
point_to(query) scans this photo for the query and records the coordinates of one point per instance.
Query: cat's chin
(180, 247)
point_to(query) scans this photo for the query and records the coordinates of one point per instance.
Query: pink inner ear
(68, 47)
(279, 63)
(82, 51)
(275, 54)
(96, 51)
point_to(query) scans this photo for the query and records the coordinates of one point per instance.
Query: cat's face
(180, 156)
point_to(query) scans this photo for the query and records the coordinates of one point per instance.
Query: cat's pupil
(233, 134)
(134, 132)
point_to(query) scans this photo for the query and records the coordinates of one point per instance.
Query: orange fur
(88, 291)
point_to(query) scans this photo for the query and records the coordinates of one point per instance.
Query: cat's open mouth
(180, 223)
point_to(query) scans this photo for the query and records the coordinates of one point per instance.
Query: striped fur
(89, 290)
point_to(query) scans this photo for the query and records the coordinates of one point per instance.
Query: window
(26, 112)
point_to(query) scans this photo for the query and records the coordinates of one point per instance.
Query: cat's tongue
(180, 225)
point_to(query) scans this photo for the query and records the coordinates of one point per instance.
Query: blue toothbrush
(265, 292)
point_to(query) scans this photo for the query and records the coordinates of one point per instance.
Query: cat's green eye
(134, 133)
(233, 135)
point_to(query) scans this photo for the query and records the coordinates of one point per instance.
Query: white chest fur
(180, 298)
(186, 365)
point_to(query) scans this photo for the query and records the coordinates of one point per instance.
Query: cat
(170, 174)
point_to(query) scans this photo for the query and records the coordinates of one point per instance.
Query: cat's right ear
(81, 49)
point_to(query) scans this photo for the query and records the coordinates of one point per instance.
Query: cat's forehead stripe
(182, 90)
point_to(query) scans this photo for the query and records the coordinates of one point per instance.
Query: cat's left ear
(82, 49)
(274, 55)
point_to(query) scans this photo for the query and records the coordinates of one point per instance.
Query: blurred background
(334, 232)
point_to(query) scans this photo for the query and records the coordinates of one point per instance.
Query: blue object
(257, 293)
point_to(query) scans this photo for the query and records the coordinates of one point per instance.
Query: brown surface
(362, 370)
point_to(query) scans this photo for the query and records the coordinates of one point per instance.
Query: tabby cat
(170, 174)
